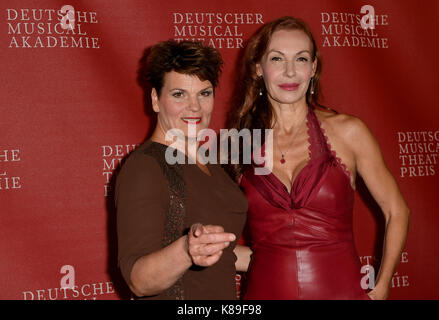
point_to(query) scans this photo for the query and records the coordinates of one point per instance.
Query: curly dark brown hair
(186, 57)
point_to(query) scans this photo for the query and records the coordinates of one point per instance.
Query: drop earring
(312, 85)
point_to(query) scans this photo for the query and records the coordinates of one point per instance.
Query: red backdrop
(71, 110)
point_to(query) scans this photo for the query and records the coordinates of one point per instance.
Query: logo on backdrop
(360, 29)
(368, 280)
(418, 153)
(69, 289)
(112, 156)
(218, 30)
(8, 159)
(51, 28)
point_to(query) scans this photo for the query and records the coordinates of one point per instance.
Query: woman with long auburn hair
(301, 242)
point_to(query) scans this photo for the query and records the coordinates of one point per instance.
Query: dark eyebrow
(207, 88)
(303, 51)
(300, 52)
(277, 51)
(180, 89)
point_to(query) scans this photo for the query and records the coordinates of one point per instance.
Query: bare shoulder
(344, 126)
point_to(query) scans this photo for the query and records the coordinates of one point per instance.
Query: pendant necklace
(282, 160)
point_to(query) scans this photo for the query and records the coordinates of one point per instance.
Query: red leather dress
(302, 242)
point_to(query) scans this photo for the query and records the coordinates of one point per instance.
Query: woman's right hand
(206, 243)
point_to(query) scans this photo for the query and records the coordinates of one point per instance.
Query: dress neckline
(316, 135)
(276, 180)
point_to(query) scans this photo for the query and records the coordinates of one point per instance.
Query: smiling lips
(192, 120)
(289, 86)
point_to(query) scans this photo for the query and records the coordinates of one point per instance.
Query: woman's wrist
(185, 251)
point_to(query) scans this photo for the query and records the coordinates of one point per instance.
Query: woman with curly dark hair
(178, 223)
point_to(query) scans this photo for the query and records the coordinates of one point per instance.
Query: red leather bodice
(302, 242)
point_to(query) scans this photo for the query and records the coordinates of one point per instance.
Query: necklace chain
(292, 141)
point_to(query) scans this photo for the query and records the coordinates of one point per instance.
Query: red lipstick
(289, 86)
(191, 120)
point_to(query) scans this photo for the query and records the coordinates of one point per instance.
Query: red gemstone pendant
(282, 160)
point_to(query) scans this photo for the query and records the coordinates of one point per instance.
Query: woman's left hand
(378, 294)
(206, 243)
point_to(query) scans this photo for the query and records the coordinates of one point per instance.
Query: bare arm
(157, 271)
(243, 254)
(383, 187)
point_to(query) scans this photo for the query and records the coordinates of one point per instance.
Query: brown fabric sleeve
(142, 200)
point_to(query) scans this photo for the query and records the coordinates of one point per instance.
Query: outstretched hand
(206, 243)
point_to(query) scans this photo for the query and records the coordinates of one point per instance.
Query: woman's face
(287, 66)
(185, 101)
